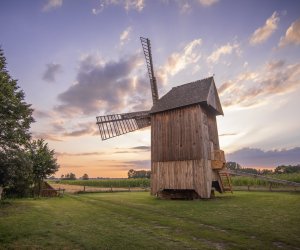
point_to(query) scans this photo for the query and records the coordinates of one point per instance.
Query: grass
(244, 220)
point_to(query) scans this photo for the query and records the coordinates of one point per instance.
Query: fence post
(270, 187)
(129, 188)
(248, 187)
(111, 189)
(83, 188)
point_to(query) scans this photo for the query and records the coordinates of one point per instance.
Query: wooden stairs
(226, 181)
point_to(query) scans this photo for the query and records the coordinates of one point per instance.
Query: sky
(76, 59)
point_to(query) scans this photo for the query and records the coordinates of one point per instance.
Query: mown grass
(244, 220)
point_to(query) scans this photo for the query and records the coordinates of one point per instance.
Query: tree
(70, 176)
(15, 120)
(15, 113)
(16, 170)
(139, 173)
(43, 162)
(85, 177)
(131, 173)
(266, 171)
(233, 165)
(283, 169)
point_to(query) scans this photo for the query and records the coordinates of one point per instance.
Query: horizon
(76, 60)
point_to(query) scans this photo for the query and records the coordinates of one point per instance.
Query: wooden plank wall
(176, 135)
(213, 130)
(192, 174)
(182, 142)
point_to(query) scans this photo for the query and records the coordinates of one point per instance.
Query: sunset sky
(76, 59)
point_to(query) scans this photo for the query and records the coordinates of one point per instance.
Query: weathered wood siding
(192, 174)
(177, 134)
(213, 130)
(182, 142)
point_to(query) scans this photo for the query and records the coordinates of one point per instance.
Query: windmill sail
(114, 125)
(147, 52)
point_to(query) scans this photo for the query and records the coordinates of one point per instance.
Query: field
(239, 183)
(249, 181)
(136, 220)
(119, 183)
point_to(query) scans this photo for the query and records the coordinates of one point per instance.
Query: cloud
(124, 37)
(52, 4)
(178, 61)
(40, 114)
(254, 157)
(146, 148)
(128, 5)
(106, 86)
(81, 129)
(52, 69)
(292, 35)
(223, 50)
(141, 164)
(79, 154)
(80, 132)
(228, 134)
(185, 7)
(207, 3)
(253, 88)
(137, 149)
(261, 34)
(47, 136)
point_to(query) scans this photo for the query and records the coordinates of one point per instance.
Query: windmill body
(185, 152)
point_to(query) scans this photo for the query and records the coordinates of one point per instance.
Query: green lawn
(244, 220)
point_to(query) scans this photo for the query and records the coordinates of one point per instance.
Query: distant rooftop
(201, 91)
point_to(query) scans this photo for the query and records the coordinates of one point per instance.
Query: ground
(136, 220)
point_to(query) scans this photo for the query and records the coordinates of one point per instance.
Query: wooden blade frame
(147, 52)
(115, 125)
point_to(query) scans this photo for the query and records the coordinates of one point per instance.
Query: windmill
(186, 160)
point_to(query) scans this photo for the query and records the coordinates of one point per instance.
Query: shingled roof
(201, 91)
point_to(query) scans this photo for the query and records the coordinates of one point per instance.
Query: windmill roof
(201, 91)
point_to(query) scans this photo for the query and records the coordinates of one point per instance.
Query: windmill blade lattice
(118, 124)
(147, 52)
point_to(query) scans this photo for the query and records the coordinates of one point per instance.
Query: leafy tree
(131, 173)
(283, 169)
(250, 170)
(43, 162)
(85, 177)
(20, 179)
(15, 120)
(139, 173)
(70, 176)
(15, 113)
(233, 165)
(266, 171)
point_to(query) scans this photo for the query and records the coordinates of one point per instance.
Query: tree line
(139, 174)
(282, 169)
(24, 162)
(72, 176)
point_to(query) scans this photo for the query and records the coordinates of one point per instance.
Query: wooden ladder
(226, 181)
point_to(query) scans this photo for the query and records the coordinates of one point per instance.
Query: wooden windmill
(185, 155)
